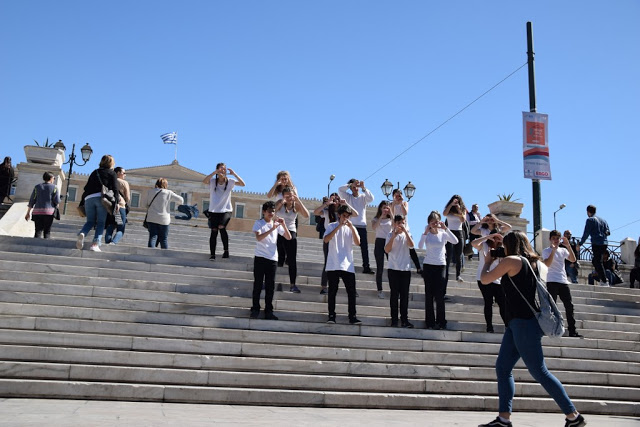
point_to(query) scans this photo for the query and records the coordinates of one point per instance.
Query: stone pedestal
(30, 174)
(509, 212)
(627, 248)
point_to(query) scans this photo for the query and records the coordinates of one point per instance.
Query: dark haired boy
(265, 262)
(340, 236)
(398, 245)
(598, 229)
(557, 283)
(359, 200)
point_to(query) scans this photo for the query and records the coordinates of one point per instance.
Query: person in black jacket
(96, 213)
(6, 177)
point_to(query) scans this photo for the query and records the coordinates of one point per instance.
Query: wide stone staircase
(141, 324)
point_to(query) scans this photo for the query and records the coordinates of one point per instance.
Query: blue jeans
(96, 215)
(572, 272)
(119, 228)
(158, 232)
(522, 338)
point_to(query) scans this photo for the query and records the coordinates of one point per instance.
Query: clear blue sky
(338, 87)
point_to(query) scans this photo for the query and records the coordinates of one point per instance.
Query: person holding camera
(557, 283)
(359, 198)
(400, 207)
(434, 239)
(456, 214)
(523, 336)
(397, 246)
(489, 226)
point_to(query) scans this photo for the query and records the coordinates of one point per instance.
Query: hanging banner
(536, 146)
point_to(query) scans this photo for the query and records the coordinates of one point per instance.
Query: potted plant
(506, 205)
(46, 153)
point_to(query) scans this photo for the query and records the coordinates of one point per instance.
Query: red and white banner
(535, 146)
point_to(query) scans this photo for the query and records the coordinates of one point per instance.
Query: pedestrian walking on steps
(288, 208)
(265, 261)
(382, 224)
(158, 216)
(220, 210)
(44, 199)
(598, 229)
(6, 178)
(523, 336)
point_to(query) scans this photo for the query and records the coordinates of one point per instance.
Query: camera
(498, 252)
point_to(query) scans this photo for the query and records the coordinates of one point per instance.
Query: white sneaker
(460, 279)
(80, 241)
(381, 294)
(605, 284)
(95, 248)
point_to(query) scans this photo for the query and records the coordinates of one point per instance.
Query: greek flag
(170, 138)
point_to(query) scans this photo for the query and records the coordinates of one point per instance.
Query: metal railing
(586, 253)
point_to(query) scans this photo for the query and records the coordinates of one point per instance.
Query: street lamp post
(387, 189)
(562, 206)
(331, 178)
(86, 155)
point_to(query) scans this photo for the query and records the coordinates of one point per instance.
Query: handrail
(586, 253)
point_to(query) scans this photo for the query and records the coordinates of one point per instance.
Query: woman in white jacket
(158, 215)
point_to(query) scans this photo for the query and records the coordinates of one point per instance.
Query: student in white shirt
(382, 224)
(557, 282)
(359, 200)
(397, 245)
(436, 236)
(219, 212)
(456, 214)
(340, 237)
(266, 258)
(283, 180)
(288, 208)
(400, 207)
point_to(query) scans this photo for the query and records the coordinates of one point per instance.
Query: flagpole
(176, 152)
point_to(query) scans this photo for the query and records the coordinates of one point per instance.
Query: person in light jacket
(158, 215)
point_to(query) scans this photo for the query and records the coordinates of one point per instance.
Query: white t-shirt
(267, 247)
(399, 257)
(358, 203)
(397, 210)
(219, 198)
(340, 255)
(484, 250)
(289, 217)
(384, 227)
(435, 246)
(557, 273)
(454, 222)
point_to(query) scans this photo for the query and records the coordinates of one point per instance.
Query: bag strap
(154, 197)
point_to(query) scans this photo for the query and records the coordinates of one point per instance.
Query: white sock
(504, 420)
(573, 418)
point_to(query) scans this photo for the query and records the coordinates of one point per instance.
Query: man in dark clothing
(598, 229)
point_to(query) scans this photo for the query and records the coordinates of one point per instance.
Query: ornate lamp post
(387, 189)
(331, 178)
(562, 206)
(86, 152)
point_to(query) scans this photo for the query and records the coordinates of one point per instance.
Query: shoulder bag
(549, 317)
(145, 224)
(107, 196)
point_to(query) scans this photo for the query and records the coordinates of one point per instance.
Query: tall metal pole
(537, 212)
(72, 157)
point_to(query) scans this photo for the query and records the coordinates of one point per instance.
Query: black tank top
(515, 306)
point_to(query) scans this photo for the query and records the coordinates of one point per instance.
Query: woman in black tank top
(523, 336)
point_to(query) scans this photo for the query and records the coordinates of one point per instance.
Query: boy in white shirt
(397, 246)
(359, 201)
(557, 282)
(340, 237)
(265, 262)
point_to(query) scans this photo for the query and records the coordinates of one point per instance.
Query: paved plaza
(40, 412)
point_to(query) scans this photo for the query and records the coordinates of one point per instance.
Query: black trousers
(562, 290)
(349, 280)
(43, 225)
(264, 271)
(379, 253)
(364, 246)
(288, 250)
(434, 287)
(491, 292)
(323, 278)
(399, 282)
(598, 260)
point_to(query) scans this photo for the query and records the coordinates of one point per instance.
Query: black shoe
(490, 329)
(279, 287)
(575, 334)
(419, 272)
(294, 289)
(443, 326)
(357, 294)
(407, 325)
(332, 319)
(225, 254)
(367, 270)
(578, 422)
(430, 327)
(394, 323)
(355, 321)
(496, 423)
(270, 316)
(254, 314)
(212, 257)
(324, 291)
